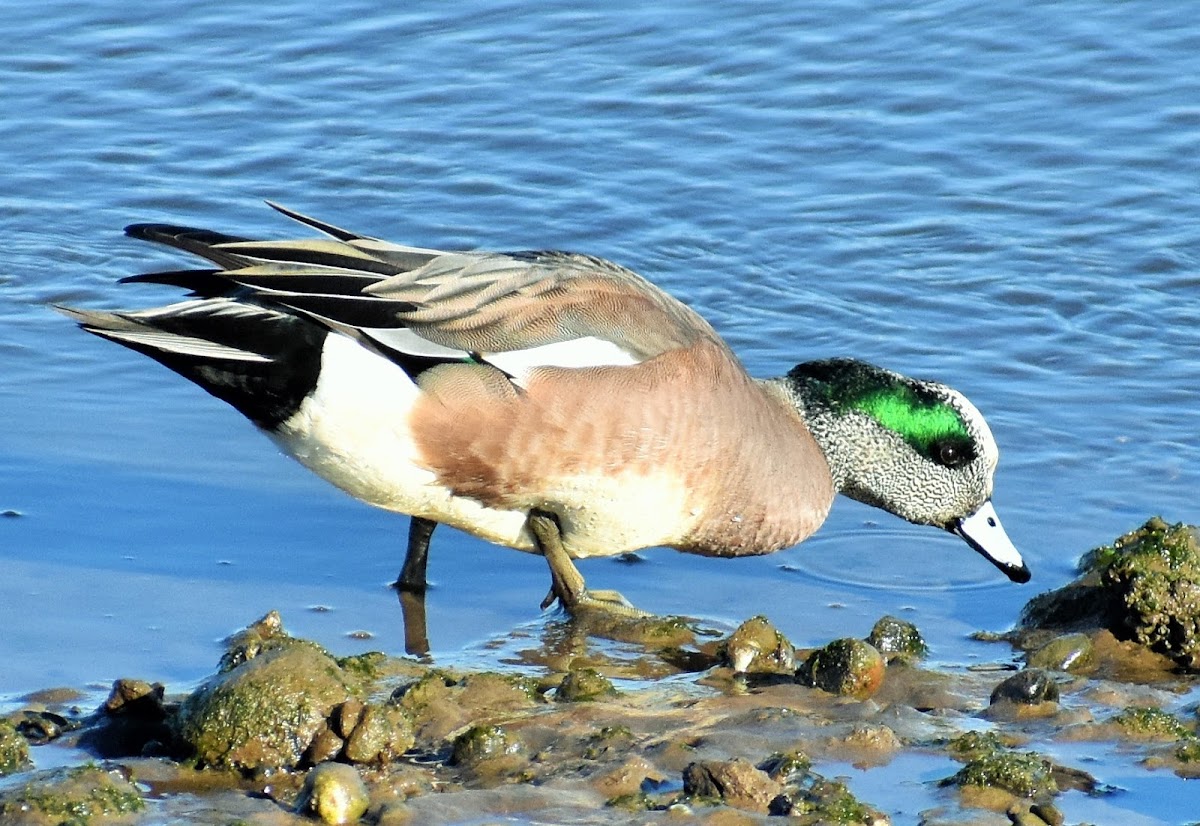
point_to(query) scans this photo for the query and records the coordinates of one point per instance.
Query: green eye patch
(923, 419)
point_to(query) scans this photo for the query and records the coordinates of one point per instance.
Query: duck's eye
(952, 453)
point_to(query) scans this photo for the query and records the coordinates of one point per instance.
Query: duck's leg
(411, 584)
(412, 575)
(566, 583)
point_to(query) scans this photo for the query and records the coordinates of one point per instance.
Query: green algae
(263, 713)
(786, 765)
(829, 802)
(14, 749)
(1144, 587)
(1025, 774)
(972, 745)
(757, 646)
(897, 639)
(71, 797)
(584, 685)
(847, 667)
(1147, 722)
(479, 743)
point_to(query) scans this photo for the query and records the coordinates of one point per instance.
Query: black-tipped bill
(983, 532)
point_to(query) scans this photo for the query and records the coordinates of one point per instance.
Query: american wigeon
(551, 402)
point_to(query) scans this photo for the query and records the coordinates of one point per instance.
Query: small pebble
(334, 793)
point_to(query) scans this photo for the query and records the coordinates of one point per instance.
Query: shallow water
(1002, 196)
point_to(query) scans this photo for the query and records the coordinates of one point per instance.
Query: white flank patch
(588, 351)
(353, 431)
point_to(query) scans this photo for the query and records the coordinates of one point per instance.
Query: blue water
(1003, 196)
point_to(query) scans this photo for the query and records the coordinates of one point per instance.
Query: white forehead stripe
(977, 425)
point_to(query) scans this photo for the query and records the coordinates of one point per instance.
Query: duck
(551, 402)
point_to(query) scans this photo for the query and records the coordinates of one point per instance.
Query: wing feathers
(518, 311)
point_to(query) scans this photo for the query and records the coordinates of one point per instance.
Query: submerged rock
(1144, 587)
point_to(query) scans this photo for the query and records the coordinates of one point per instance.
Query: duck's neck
(828, 429)
(861, 457)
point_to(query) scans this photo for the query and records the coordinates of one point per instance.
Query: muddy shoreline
(672, 721)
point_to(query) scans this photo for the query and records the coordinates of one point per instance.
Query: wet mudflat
(613, 720)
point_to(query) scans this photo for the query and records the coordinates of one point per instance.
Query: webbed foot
(566, 583)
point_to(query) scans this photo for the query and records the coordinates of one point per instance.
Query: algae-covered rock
(77, 796)
(584, 684)
(608, 740)
(1144, 587)
(848, 667)
(1188, 751)
(264, 712)
(480, 743)
(897, 639)
(786, 766)
(1022, 774)
(972, 745)
(334, 793)
(382, 735)
(265, 634)
(757, 646)
(14, 750)
(1149, 723)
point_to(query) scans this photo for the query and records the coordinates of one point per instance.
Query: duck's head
(917, 449)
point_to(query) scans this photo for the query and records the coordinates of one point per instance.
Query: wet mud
(605, 720)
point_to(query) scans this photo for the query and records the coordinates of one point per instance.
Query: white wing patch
(588, 351)
(406, 341)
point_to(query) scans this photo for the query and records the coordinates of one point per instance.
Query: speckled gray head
(918, 449)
